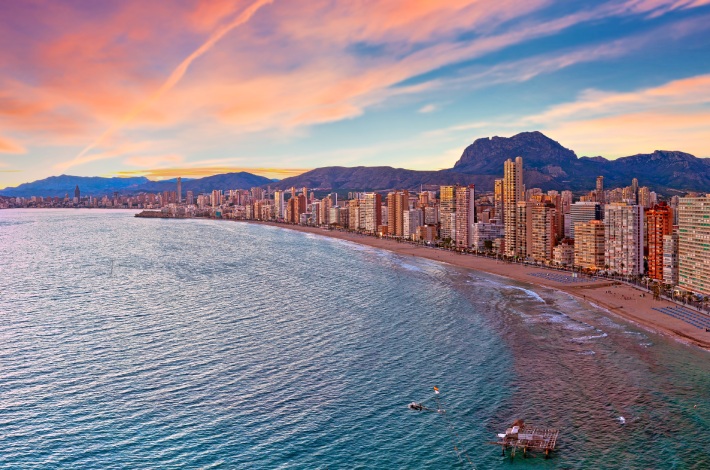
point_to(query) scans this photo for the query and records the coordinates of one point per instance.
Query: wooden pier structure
(528, 437)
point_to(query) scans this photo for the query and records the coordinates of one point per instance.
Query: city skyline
(277, 89)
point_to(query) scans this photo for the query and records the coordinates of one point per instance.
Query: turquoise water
(139, 343)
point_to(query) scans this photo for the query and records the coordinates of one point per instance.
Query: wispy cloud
(672, 116)
(8, 146)
(177, 74)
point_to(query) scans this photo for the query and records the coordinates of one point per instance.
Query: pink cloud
(92, 77)
(8, 146)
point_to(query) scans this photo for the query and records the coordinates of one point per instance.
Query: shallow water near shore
(194, 343)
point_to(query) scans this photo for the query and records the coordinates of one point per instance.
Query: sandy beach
(621, 300)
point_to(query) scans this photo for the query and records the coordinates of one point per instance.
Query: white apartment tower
(512, 194)
(694, 244)
(623, 238)
(464, 216)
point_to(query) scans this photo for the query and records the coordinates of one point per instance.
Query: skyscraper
(583, 212)
(77, 193)
(659, 223)
(670, 259)
(397, 203)
(371, 211)
(623, 238)
(498, 200)
(694, 244)
(179, 189)
(523, 229)
(600, 189)
(544, 231)
(512, 194)
(464, 216)
(279, 202)
(447, 206)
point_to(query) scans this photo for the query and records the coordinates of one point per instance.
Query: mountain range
(99, 186)
(547, 165)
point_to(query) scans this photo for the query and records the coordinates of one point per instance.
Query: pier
(528, 437)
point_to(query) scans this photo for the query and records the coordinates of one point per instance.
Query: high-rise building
(77, 193)
(644, 197)
(257, 194)
(523, 229)
(412, 221)
(694, 244)
(397, 203)
(216, 197)
(589, 245)
(600, 189)
(670, 259)
(324, 209)
(354, 214)
(190, 198)
(623, 238)
(371, 211)
(431, 215)
(498, 200)
(583, 212)
(447, 206)
(179, 189)
(544, 231)
(280, 204)
(659, 223)
(464, 216)
(512, 194)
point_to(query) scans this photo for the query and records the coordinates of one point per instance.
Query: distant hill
(364, 178)
(99, 186)
(241, 180)
(65, 184)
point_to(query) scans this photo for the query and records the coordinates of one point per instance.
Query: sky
(277, 87)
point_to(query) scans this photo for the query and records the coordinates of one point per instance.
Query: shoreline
(620, 300)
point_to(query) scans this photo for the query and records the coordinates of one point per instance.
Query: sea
(158, 343)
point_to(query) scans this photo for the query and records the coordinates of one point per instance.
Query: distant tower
(600, 189)
(179, 189)
(77, 193)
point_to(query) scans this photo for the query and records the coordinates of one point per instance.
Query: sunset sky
(192, 88)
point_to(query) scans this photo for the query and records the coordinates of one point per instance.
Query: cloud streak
(175, 76)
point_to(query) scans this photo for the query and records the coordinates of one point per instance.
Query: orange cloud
(178, 73)
(82, 73)
(8, 146)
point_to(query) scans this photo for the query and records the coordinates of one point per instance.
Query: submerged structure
(528, 437)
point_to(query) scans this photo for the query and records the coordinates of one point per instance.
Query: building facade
(512, 194)
(623, 238)
(694, 244)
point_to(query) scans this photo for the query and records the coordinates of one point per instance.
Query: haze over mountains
(548, 165)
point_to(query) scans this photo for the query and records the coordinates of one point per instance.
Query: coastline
(626, 302)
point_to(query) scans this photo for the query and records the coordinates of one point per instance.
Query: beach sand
(630, 303)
